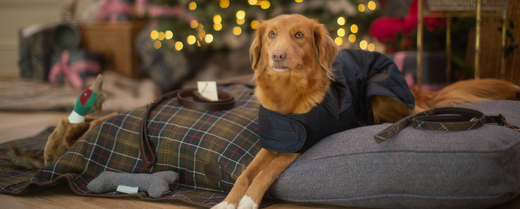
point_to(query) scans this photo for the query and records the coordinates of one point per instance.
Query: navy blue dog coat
(358, 76)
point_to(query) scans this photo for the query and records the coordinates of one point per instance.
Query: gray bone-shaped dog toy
(156, 184)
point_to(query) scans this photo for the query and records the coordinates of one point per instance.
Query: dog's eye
(271, 34)
(298, 35)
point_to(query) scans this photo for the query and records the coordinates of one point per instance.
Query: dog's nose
(278, 55)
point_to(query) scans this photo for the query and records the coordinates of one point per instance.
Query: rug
(124, 94)
(183, 140)
(21, 182)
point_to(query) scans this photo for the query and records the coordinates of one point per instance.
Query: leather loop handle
(459, 119)
(226, 101)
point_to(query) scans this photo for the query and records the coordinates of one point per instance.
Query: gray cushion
(415, 169)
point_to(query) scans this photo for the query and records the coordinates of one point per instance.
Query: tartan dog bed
(183, 140)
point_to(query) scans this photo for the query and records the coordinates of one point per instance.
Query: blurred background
(174, 43)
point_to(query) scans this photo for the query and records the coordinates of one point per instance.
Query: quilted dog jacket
(358, 75)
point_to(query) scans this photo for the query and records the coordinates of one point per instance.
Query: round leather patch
(213, 172)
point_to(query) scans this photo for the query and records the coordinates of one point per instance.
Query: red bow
(71, 72)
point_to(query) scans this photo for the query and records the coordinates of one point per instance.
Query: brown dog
(292, 60)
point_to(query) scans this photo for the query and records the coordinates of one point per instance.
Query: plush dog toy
(89, 101)
(67, 132)
(70, 129)
(156, 184)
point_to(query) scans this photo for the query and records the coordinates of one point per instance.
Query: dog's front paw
(247, 203)
(224, 205)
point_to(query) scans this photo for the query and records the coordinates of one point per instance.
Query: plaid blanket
(184, 141)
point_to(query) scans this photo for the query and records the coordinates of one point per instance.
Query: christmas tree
(182, 35)
(230, 24)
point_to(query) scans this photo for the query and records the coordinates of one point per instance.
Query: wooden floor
(17, 125)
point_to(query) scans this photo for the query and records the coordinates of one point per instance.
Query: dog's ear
(325, 47)
(256, 47)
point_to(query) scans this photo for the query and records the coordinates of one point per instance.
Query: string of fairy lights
(345, 31)
(352, 37)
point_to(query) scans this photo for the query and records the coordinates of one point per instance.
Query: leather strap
(458, 119)
(226, 101)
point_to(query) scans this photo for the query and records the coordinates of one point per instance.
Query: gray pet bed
(415, 169)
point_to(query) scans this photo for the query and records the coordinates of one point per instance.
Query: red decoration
(85, 96)
(71, 72)
(386, 28)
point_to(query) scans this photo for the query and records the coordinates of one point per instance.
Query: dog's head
(292, 42)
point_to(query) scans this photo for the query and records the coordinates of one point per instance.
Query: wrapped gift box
(36, 49)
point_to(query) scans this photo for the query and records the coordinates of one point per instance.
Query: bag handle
(226, 101)
(459, 119)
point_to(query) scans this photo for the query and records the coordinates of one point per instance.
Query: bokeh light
(354, 28)
(352, 38)
(161, 36)
(154, 34)
(157, 44)
(191, 39)
(192, 5)
(363, 44)
(341, 21)
(341, 32)
(338, 41)
(371, 5)
(168, 34)
(361, 7)
(265, 4)
(237, 30)
(371, 47)
(224, 3)
(208, 38)
(255, 24)
(178, 45)
(217, 27)
(217, 19)
(194, 23)
(241, 14)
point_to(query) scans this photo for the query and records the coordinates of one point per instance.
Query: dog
(298, 68)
